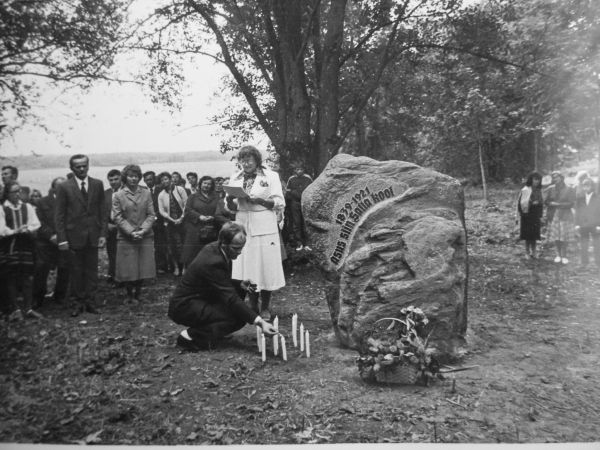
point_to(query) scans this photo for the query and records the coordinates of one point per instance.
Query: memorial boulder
(390, 234)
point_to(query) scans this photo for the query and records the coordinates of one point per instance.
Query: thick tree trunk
(293, 102)
(328, 90)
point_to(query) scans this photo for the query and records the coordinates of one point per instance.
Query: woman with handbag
(199, 221)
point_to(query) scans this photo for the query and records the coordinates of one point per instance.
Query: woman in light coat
(260, 260)
(133, 212)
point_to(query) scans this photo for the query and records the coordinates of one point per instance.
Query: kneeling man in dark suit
(208, 301)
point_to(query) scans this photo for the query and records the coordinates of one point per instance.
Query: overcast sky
(121, 118)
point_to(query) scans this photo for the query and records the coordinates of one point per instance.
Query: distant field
(41, 178)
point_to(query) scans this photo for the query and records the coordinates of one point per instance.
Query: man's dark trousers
(111, 251)
(84, 273)
(207, 300)
(48, 256)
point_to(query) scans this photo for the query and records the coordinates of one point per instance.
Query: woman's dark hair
(8, 186)
(250, 150)
(212, 182)
(164, 174)
(217, 179)
(531, 177)
(130, 168)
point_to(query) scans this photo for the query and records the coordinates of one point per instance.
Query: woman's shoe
(558, 260)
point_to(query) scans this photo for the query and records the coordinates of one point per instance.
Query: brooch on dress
(263, 183)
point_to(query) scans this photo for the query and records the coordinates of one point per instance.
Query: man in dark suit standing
(47, 254)
(80, 220)
(158, 228)
(114, 181)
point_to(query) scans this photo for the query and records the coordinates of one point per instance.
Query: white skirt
(260, 262)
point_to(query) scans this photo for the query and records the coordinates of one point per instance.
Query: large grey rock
(390, 234)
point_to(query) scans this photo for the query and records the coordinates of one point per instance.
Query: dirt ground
(117, 378)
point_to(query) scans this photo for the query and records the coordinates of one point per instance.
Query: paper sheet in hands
(235, 191)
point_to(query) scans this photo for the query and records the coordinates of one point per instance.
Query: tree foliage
(522, 73)
(60, 41)
(306, 69)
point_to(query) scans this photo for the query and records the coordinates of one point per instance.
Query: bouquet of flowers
(398, 352)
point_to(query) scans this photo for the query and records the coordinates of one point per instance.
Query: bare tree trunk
(328, 91)
(482, 168)
(294, 123)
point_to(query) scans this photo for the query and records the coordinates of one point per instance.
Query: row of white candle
(304, 339)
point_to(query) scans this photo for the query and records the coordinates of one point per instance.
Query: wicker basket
(404, 373)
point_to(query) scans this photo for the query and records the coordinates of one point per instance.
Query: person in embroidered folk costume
(260, 260)
(530, 209)
(18, 222)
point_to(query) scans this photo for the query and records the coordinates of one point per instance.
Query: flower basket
(396, 351)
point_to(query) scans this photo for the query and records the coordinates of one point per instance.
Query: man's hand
(267, 328)
(63, 246)
(248, 286)
(577, 228)
(137, 235)
(53, 239)
(101, 242)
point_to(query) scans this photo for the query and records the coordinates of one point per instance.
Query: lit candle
(258, 333)
(307, 344)
(294, 329)
(301, 337)
(276, 337)
(263, 347)
(283, 349)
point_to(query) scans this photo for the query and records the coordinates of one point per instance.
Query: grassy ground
(117, 378)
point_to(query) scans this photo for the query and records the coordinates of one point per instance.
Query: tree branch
(231, 65)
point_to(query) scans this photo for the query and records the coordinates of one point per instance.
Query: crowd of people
(150, 224)
(572, 214)
(223, 238)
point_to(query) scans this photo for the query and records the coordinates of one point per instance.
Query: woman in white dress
(260, 260)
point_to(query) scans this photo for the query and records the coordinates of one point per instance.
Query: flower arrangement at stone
(398, 352)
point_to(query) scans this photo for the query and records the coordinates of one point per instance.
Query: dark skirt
(17, 253)
(196, 237)
(531, 224)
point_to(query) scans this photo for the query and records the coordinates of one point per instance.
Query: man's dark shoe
(191, 345)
